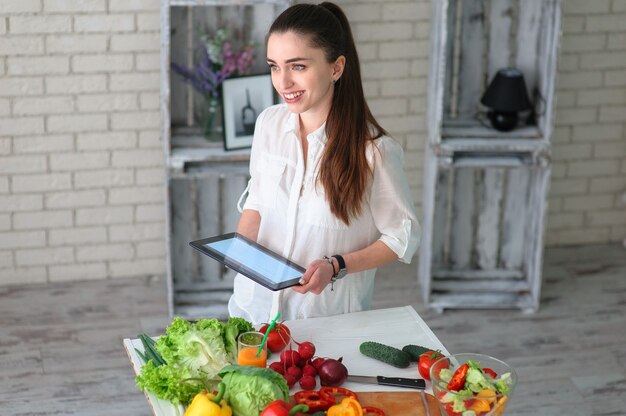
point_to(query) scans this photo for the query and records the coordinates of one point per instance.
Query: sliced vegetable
(385, 353)
(489, 371)
(314, 400)
(331, 393)
(374, 410)
(458, 378)
(347, 407)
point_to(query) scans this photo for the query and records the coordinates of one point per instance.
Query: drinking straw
(269, 328)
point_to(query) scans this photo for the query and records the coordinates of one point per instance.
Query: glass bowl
(484, 401)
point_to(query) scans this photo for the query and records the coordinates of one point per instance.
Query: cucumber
(415, 351)
(385, 353)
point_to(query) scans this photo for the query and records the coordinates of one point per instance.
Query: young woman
(327, 187)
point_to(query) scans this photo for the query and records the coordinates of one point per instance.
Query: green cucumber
(415, 351)
(385, 353)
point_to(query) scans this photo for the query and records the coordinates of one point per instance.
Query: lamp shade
(507, 92)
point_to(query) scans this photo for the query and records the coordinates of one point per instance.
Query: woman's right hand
(316, 277)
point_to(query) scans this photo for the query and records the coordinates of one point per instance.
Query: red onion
(332, 373)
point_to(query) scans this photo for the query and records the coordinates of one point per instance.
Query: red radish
(309, 370)
(291, 380)
(308, 383)
(278, 367)
(306, 350)
(295, 371)
(332, 373)
(317, 363)
(290, 357)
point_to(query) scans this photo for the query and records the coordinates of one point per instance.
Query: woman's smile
(292, 97)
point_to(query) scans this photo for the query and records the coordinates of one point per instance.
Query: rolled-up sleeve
(391, 203)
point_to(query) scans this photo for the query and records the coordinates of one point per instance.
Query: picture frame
(243, 99)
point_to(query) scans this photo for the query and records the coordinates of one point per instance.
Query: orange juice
(247, 356)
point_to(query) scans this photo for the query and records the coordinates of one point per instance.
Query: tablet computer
(251, 260)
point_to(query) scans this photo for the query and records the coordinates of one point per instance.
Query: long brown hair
(344, 172)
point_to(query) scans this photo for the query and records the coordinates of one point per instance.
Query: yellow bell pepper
(501, 405)
(206, 404)
(347, 407)
(483, 401)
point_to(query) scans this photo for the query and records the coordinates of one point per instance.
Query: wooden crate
(203, 181)
(485, 190)
(202, 204)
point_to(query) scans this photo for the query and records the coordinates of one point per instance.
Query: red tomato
(448, 406)
(278, 338)
(426, 361)
(489, 371)
(458, 378)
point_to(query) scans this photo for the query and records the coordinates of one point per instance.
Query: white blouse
(296, 220)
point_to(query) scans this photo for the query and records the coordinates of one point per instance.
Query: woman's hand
(316, 277)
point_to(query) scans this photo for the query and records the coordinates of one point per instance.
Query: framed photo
(243, 99)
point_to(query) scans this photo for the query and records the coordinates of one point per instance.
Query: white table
(340, 336)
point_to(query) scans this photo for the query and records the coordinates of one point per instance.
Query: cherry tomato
(426, 361)
(489, 371)
(278, 338)
(458, 378)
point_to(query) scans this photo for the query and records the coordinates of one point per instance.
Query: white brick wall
(81, 168)
(590, 137)
(78, 81)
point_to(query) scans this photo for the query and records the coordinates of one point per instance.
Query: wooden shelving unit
(203, 181)
(485, 190)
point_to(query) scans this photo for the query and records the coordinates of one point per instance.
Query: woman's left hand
(316, 277)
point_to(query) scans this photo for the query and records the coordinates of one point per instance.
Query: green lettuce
(250, 389)
(165, 382)
(194, 353)
(234, 327)
(198, 346)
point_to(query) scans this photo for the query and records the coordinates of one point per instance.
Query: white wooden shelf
(485, 190)
(204, 182)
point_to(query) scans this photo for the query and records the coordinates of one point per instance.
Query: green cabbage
(250, 389)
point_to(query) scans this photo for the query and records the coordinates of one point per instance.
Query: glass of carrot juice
(248, 347)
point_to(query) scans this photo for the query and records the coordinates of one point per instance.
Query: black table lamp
(506, 95)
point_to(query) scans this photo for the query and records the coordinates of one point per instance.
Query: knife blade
(411, 383)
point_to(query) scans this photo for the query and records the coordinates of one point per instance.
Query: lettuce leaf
(165, 382)
(234, 327)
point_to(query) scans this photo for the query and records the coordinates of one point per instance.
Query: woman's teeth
(291, 96)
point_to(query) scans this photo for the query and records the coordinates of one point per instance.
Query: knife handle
(413, 383)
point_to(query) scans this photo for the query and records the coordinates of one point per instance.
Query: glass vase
(213, 119)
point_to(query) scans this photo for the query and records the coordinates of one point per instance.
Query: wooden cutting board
(399, 403)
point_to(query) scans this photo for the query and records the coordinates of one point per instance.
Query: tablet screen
(252, 260)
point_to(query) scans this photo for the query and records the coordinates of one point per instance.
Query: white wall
(81, 164)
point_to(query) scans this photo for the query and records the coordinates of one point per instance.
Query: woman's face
(301, 74)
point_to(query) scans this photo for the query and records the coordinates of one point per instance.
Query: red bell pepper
(458, 378)
(282, 408)
(314, 400)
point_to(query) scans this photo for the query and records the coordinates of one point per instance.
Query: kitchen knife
(411, 383)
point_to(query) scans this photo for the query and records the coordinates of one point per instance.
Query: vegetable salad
(472, 390)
